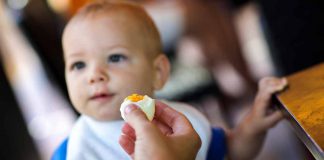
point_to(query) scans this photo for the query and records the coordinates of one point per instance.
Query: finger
(166, 130)
(127, 144)
(267, 87)
(129, 131)
(273, 118)
(172, 118)
(271, 81)
(136, 118)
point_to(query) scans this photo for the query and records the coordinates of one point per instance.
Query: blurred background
(219, 49)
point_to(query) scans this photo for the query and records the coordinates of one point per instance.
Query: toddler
(112, 50)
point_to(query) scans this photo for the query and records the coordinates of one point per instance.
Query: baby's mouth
(101, 96)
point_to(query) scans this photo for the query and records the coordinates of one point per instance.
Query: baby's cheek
(77, 94)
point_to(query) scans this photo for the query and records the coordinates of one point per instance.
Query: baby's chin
(107, 116)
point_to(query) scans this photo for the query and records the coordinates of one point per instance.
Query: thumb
(135, 117)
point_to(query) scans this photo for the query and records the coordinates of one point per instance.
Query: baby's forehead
(130, 17)
(137, 19)
(119, 11)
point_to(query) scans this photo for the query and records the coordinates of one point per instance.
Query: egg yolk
(135, 97)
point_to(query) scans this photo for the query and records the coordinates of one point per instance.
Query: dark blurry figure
(211, 23)
(15, 141)
(43, 28)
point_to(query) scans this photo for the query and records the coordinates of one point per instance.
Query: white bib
(95, 140)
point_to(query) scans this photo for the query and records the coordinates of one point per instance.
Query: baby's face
(105, 61)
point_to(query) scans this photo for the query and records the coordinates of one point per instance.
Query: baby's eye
(78, 65)
(115, 58)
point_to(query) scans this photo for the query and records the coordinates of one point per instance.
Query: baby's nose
(98, 76)
(97, 79)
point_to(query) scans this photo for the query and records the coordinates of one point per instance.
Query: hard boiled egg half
(146, 103)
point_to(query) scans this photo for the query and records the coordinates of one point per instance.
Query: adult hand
(169, 136)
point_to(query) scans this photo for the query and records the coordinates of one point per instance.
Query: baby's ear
(162, 71)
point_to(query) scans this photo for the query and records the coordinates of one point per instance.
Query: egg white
(147, 105)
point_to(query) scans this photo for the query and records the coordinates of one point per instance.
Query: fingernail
(130, 108)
